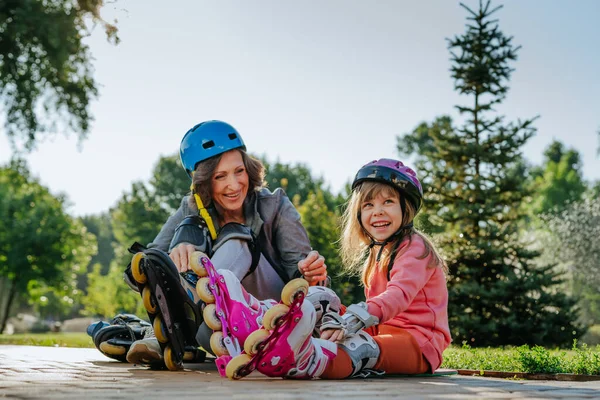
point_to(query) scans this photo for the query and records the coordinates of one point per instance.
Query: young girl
(402, 328)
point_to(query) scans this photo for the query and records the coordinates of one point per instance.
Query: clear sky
(327, 82)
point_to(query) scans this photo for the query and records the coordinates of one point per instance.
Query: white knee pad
(363, 351)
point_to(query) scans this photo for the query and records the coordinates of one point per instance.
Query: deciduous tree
(46, 74)
(39, 242)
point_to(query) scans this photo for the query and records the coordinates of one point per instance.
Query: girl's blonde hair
(355, 243)
(206, 169)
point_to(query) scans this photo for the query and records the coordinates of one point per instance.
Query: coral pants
(399, 354)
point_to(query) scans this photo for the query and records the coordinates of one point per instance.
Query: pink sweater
(415, 298)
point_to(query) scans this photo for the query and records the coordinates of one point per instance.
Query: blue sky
(327, 83)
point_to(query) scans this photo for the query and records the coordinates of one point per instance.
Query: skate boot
(172, 307)
(230, 312)
(114, 338)
(324, 300)
(284, 346)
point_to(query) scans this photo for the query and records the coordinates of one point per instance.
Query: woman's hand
(333, 335)
(313, 268)
(181, 256)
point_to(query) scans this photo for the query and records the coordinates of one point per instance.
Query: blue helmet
(206, 140)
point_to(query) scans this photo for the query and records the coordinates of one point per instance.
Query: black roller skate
(114, 338)
(173, 310)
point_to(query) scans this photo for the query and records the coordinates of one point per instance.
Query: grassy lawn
(49, 339)
(579, 360)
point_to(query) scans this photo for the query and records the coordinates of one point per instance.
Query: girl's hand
(333, 335)
(313, 268)
(181, 256)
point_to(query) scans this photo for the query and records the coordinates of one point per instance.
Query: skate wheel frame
(210, 317)
(254, 341)
(170, 361)
(203, 290)
(196, 264)
(136, 269)
(292, 288)
(235, 368)
(273, 316)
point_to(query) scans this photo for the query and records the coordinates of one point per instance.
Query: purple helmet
(395, 173)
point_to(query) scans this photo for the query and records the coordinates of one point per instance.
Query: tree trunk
(11, 296)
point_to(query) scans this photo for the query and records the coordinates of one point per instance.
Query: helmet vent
(208, 145)
(232, 136)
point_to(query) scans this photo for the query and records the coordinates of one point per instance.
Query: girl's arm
(408, 276)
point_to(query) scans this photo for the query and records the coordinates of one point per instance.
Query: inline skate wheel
(136, 268)
(159, 330)
(273, 316)
(210, 317)
(170, 361)
(217, 344)
(254, 340)
(235, 365)
(203, 290)
(148, 300)
(196, 264)
(111, 349)
(293, 288)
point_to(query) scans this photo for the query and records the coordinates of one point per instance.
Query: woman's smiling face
(230, 182)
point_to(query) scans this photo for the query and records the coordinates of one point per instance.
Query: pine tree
(474, 178)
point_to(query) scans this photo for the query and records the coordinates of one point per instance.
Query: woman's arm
(293, 245)
(179, 254)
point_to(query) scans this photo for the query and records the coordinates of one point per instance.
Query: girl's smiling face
(381, 216)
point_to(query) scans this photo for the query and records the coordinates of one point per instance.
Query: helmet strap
(395, 235)
(204, 213)
(389, 239)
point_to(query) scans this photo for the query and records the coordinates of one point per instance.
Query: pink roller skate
(230, 311)
(284, 346)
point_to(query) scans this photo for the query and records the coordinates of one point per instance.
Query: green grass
(579, 360)
(48, 339)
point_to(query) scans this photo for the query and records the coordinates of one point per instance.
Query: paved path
(64, 373)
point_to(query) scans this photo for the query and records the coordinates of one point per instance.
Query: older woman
(256, 234)
(230, 184)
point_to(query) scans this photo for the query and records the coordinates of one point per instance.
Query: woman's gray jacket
(274, 221)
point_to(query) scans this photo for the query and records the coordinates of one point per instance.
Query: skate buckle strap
(356, 318)
(361, 312)
(368, 373)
